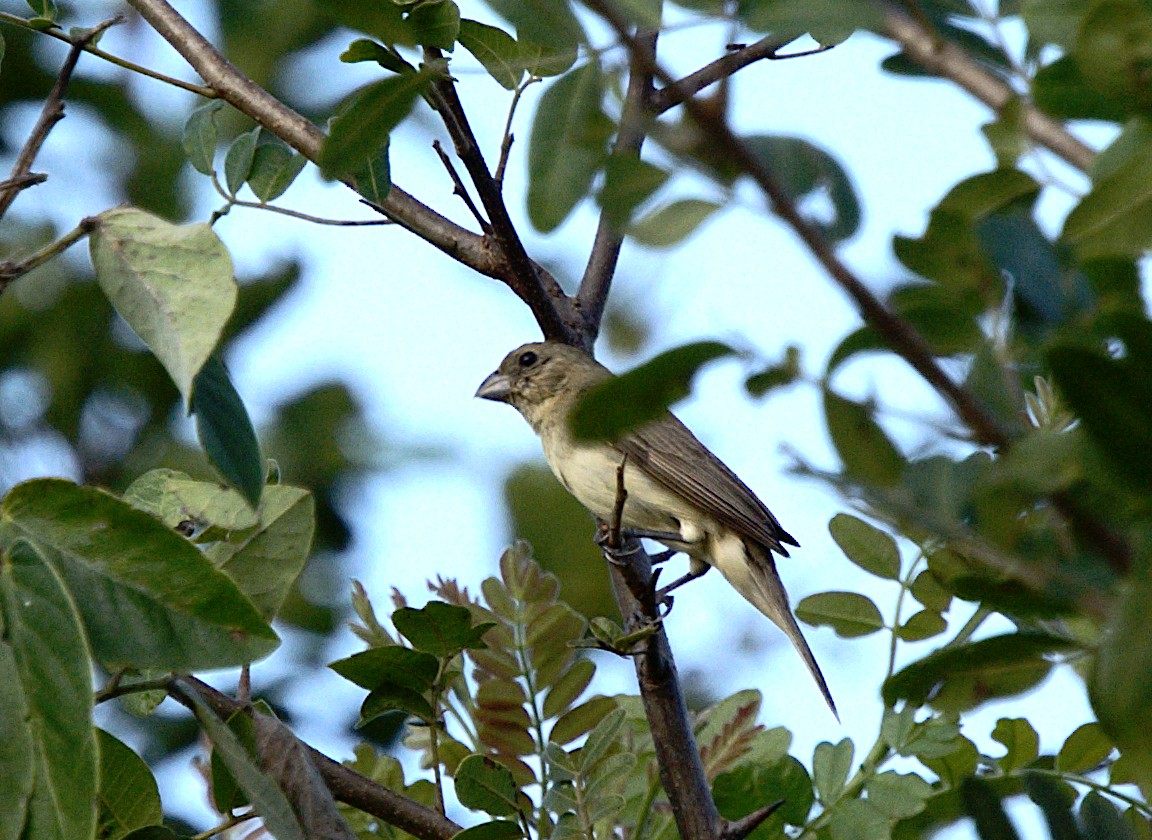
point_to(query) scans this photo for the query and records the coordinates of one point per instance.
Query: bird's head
(542, 380)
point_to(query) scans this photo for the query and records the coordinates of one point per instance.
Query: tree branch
(50, 114)
(946, 59)
(899, 335)
(674, 94)
(238, 90)
(552, 308)
(592, 296)
(346, 785)
(11, 270)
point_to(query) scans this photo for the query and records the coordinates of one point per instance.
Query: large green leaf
(568, 145)
(149, 599)
(363, 127)
(550, 23)
(129, 797)
(495, 49)
(225, 430)
(866, 545)
(44, 644)
(173, 284)
(1115, 218)
(643, 394)
(863, 446)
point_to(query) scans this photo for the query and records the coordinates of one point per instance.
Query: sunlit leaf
(848, 613)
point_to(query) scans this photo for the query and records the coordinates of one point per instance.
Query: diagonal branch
(346, 785)
(601, 268)
(901, 336)
(940, 56)
(50, 114)
(238, 90)
(552, 308)
(675, 93)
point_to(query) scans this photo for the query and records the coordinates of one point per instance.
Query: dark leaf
(226, 432)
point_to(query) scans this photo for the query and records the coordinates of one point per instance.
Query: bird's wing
(669, 453)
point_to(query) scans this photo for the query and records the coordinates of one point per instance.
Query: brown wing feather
(668, 452)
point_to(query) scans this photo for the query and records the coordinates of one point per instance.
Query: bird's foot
(664, 556)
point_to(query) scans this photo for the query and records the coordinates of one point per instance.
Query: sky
(414, 334)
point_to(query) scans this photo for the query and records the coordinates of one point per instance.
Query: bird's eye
(527, 359)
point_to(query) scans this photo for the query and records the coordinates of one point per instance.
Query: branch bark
(346, 785)
(946, 59)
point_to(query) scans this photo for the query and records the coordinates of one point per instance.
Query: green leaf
(374, 179)
(550, 23)
(174, 497)
(1113, 219)
(1054, 798)
(495, 49)
(226, 432)
(568, 146)
(485, 785)
(17, 747)
(962, 677)
(364, 125)
(858, 819)
(199, 138)
(495, 830)
(544, 61)
(435, 23)
(576, 722)
(672, 223)
(266, 561)
(1054, 21)
(778, 375)
(839, 18)
(128, 796)
(863, 446)
(629, 181)
(1113, 48)
(1084, 750)
(927, 590)
(384, 20)
(1120, 686)
(172, 284)
(1103, 822)
(568, 688)
(1060, 90)
(642, 395)
(148, 598)
(412, 668)
(831, 764)
(260, 787)
(923, 625)
(1006, 134)
(43, 647)
(851, 615)
(898, 795)
(390, 697)
(238, 160)
(752, 786)
(1112, 400)
(440, 629)
(983, 804)
(866, 545)
(804, 170)
(363, 49)
(274, 168)
(1021, 741)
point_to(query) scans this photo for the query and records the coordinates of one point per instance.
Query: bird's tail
(762, 587)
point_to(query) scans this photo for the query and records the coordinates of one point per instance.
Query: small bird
(678, 492)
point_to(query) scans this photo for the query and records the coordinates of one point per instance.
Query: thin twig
(592, 296)
(676, 92)
(543, 295)
(10, 271)
(92, 49)
(459, 189)
(50, 114)
(508, 137)
(23, 182)
(614, 526)
(741, 828)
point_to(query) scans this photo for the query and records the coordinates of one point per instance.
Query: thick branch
(946, 59)
(601, 268)
(246, 96)
(50, 114)
(346, 785)
(681, 770)
(552, 308)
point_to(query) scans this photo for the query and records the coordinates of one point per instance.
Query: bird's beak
(496, 387)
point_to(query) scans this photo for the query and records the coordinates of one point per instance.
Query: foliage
(1033, 507)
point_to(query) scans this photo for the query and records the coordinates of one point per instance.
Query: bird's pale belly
(589, 474)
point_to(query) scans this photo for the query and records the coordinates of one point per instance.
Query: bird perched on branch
(678, 492)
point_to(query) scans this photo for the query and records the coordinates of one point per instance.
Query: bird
(678, 492)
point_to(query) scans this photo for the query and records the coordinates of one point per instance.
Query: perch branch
(346, 785)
